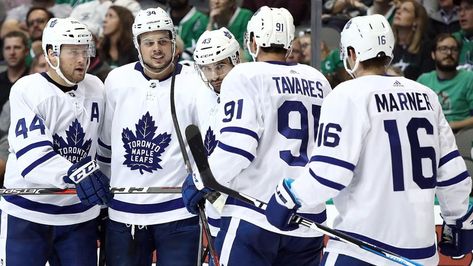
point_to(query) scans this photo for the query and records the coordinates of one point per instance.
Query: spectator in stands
(15, 50)
(338, 12)
(299, 9)
(465, 35)
(36, 20)
(306, 52)
(332, 66)
(39, 64)
(190, 22)
(454, 87)
(117, 45)
(411, 50)
(444, 20)
(226, 13)
(296, 53)
(387, 8)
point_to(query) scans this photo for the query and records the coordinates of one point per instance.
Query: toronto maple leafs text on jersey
(267, 120)
(138, 146)
(50, 130)
(386, 150)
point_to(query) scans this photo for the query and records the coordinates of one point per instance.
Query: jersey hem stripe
(241, 131)
(410, 253)
(41, 160)
(457, 179)
(32, 146)
(103, 159)
(326, 182)
(104, 145)
(238, 151)
(445, 159)
(316, 217)
(45, 207)
(147, 208)
(334, 161)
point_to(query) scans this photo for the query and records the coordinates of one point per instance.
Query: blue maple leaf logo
(75, 147)
(142, 148)
(210, 142)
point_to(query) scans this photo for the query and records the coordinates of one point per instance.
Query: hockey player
(267, 119)
(55, 117)
(384, 151)
(216, 53)
(139, 147)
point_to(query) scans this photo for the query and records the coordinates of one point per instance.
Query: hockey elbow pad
(457, 239)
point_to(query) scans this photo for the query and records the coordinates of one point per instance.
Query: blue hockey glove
(283, 206)
(191, 195)
(93, 187)
(457, 239)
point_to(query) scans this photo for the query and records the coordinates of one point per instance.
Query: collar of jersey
(139, 67)
(281, 63)
(62, 87)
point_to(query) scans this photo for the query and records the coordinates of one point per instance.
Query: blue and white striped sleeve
(337, 152)
(104, 148)
(240, 127)
(32, 143)
(453, 180)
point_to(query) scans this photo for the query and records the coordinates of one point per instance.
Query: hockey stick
(70, 191)
(194, 140)
(204, 224)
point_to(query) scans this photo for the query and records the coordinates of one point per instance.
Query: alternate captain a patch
(75, 147)
(142, 149)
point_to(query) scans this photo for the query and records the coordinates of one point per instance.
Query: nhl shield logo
(142, 149)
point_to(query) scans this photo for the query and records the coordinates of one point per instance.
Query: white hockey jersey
(139, 145)
(50, 130)
(268, 117)
(207, 106)
(384, 150)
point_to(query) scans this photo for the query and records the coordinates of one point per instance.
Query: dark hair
(272, 49)
(34, 8)
(17, 34)
(442, 36)
(125, 42)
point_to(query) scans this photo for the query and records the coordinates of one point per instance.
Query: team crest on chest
(210, 141)
(75, 147)
(142, 147)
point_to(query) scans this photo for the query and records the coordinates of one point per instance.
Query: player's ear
(53, 58)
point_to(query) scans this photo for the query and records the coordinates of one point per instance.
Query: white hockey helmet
(59, 31)
(152, 19)
(370, 37)
(216, 45)
(271, 27)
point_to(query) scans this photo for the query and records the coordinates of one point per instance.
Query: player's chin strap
(59, 72)
(355, 67)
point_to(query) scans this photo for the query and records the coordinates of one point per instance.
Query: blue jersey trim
(241, 130)
(316, 217)
(455, 180)
(334, 161)
(445, 159)
(33, 146)
(104, 145)
(103, 159)
(41, 160)
(326, 182)
(410, 253)
(45, 207)
(214, 222)
(147, 208)
(238, 151)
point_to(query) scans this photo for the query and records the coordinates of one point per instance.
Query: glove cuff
(83, 171)
(285, 196)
